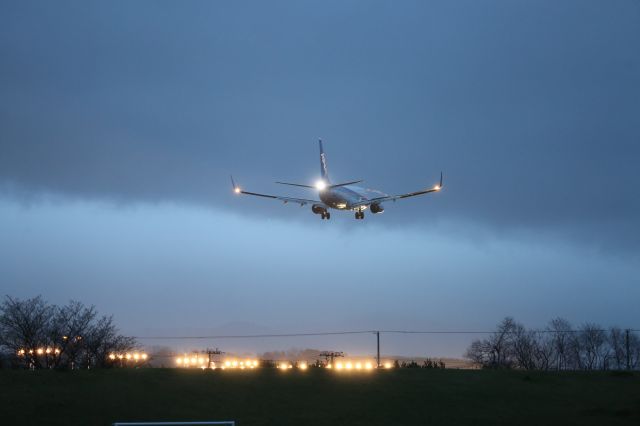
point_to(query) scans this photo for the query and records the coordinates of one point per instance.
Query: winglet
(236, 188)
(438, 187)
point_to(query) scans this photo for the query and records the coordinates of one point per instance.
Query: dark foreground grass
(272, 397)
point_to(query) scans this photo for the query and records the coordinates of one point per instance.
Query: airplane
(341, 196)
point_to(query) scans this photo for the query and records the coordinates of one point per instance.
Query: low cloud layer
(530, 109)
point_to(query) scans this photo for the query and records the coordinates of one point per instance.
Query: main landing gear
(359, 215)
(326, 215)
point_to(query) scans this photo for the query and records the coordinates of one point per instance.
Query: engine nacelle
(317, 209)
(376, 208)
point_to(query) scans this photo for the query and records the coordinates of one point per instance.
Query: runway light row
(197, 361)
(353, 366)
(39, 351)
(129, 356)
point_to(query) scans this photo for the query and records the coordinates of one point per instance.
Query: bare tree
(561, 332)
(594, 350)
(46, 335)
(24, 325)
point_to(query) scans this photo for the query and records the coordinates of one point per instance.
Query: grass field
(272, 397)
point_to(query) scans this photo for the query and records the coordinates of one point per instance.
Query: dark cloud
(531, 109)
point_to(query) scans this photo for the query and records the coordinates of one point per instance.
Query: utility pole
(626, 343)
(378, 352)
(213, 352)
(329, 356)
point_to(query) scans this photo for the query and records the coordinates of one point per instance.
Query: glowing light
(48, 350)
(144, 356)
(179, 361)
(40, 351)
(112, 356)
(222, 367)
(136, 356)
(437, 187)
(368, 366)
(200, 360)
(236, 190)
(128, 356)
(255, 363)
(227, 363)
(56, 351)
(329, 366)
(338, 366)
(194, 360)
(321, 185)
(387, 365)
(348, 366)
(302, 366)
(358, 366)
(234, 363)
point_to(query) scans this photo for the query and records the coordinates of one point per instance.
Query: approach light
(136, 356)
(302, 366)
(321, 185)
(227, 363)
(387, 365)
(368, 366)
(112, 356)
(358, 366)
(348, 366)
(338, 366)
(128, 356)
(40, 351)
(179, 361)
(144, 356)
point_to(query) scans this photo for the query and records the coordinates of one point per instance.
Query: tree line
(37, 334)
(559, 346)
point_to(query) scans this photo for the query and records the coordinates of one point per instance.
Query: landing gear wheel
(359, 215)
(328, 215)
(323, 216)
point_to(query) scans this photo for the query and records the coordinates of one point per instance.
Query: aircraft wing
(301, 201)
(370, 201)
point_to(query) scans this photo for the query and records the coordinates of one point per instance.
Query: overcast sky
(120, 123)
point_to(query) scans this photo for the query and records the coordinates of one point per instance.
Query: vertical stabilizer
(324, 172)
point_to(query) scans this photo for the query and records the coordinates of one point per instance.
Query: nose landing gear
(359, 215)
(326, 215)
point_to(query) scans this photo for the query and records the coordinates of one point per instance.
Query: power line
(337, 333)
(253, 336)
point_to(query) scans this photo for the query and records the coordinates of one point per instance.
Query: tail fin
(324, 173)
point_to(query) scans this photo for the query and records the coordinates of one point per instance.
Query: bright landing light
(236, 190)
(437, 187)
(321, 185)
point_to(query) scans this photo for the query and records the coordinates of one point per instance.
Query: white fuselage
(346, 197)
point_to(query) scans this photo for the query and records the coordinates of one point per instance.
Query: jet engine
(376, 208)
(318, 209)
